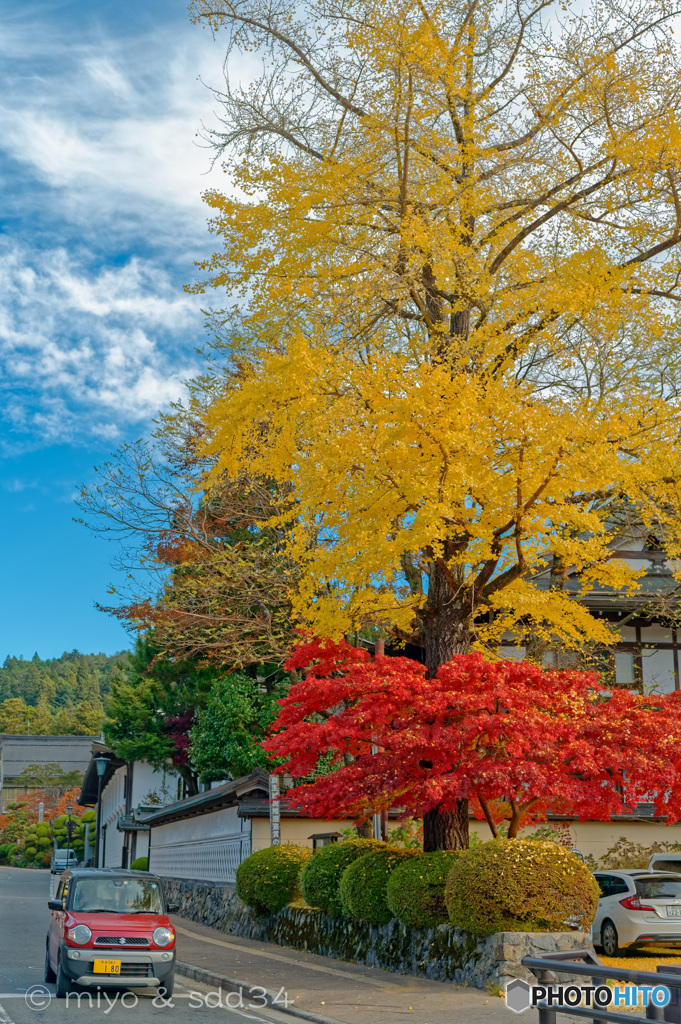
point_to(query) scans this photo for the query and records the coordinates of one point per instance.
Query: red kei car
(110, 927)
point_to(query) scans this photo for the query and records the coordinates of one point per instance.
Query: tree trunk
(446, 625)
(446, 632)
(446, 830)
(365, 829)
(189, 778)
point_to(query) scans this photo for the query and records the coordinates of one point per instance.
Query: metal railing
(584, 962)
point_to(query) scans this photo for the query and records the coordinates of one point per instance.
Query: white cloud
(112, 133)
(86, 353)
(101, 186)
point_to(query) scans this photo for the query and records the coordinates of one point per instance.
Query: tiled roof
(71, 753)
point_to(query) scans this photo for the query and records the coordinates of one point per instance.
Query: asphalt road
(26, 999)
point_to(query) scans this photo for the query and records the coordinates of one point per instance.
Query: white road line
(4, 1016)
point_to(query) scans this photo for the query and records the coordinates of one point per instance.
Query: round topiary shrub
(30, 852)
(140, 864)
(363, 884)
(416, 889)
(520, 885)
(320, 879)
(270, 878)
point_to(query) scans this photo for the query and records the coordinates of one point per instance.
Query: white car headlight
(81, 935)
(163, 936)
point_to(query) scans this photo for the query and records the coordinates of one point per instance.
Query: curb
(235, 985)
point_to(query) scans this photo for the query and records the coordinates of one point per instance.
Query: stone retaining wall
(441, 954)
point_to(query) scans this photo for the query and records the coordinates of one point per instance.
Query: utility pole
(69, 831)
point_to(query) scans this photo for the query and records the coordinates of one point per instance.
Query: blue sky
(101, 220)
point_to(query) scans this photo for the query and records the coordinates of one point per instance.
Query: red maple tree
(501, 734)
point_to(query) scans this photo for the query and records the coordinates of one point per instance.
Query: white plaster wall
(145, 779)
(225, 822)
(113, 805)
(658, 671)
(206, 847)
(625, 672)
(656, 634)
(512, 653)
(628, 634)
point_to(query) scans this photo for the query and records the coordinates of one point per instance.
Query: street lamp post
(69, 811)
(100, 765)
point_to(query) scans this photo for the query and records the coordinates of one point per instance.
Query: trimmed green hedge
(270, 878)
(416, 889)
(321, 876)
(363, 884)
(520, 885)
(140, 864)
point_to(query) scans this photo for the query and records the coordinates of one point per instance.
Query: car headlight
(163, 936)
(81, 935)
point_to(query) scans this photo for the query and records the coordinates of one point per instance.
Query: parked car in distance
(109, 927)
(637, 908)
(63, 859)
(665, 862)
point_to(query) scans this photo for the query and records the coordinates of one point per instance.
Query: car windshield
(660, 887)
(117, 896)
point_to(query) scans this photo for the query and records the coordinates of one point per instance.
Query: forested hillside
(60, 695)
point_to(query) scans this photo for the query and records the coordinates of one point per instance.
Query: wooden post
(275, 812)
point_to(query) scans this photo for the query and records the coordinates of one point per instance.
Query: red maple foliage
(27, 807)
(488, 732)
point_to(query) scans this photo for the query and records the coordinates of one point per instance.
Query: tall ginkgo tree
(451, 241)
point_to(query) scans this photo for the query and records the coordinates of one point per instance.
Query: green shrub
(30, 852)
(320, 879)
(3, 850)
(270, 878)
(520, 885)
(140, 864)
(363, 884)
(43, 842)
(416, 889)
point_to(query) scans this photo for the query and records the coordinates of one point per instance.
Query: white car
(63, 859)
(665, 862)
(637, 908)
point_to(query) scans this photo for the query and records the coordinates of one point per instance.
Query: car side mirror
(55, 904)
(172, 908)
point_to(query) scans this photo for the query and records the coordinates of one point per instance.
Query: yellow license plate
(107, 967)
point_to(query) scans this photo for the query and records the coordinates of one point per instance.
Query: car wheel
(63, 981)
(609, 939)
(50, 976)
(165, 989)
